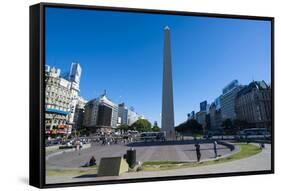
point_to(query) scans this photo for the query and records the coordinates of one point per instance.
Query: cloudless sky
(123, 53)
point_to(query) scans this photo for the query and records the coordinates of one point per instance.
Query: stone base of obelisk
(170, 136)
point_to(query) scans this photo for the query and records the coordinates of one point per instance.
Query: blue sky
(123, 53)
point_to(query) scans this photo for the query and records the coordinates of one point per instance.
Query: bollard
(131, 157)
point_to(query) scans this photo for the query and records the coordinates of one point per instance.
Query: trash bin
(131, 157)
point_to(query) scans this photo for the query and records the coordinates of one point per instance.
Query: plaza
(176, 152)
(73, 160)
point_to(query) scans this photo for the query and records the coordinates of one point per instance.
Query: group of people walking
(109, 140)
(198, 151)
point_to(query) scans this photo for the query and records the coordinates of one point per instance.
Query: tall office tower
(227, 100)
(75, 73)
(167, 116)
(74, 79)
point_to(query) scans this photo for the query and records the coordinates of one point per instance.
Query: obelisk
(167, 115)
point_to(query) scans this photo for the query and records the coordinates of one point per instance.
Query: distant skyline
(122, 53)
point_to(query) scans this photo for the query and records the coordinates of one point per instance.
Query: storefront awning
(56, 111)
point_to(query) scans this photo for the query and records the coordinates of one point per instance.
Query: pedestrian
(261, 145)
(92, 161)
(80, 145)
(103, 141)
(215, 149)
(77, 145)
(198, 153)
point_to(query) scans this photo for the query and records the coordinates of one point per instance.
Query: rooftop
(258, 85)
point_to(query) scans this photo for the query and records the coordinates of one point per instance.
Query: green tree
(240, 124)
(195, 127)
(180, 128)
(190, 126)
(142, 125)
(227, 124)
(84, 132)
(155, 129)
(228, 127)
(78, 133)
(124, 127)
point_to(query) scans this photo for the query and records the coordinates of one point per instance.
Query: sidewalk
(261, 161)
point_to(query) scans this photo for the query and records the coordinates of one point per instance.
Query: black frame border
(37, 176)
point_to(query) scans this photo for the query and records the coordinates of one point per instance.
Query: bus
(152, 136)
(254, 133)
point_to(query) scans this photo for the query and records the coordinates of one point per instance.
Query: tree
(240, 124)
(195, 127)
(190, 126)
(155, 129)
(78, 133)
(84, 132)
(228, 126)
(124, 127)
(142, 125)
(180, 128)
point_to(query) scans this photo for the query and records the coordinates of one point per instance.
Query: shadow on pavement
(87, 176)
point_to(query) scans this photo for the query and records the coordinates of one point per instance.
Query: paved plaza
(176, 152)
(261, 161)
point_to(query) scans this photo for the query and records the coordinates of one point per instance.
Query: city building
(101, 113)
(155, 124)
(201, 117)
(191, 115)
(253, 104)
(62, 99)
(233, 84)
(218, 103)
(127, 116)
(133, 116)
(203, 106)
(74, 80)
(122, 114)
(215, 116)
(57, 100)
(79, 113)
(75, 75)
(227, 100)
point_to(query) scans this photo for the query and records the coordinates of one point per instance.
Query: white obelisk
(167, 115)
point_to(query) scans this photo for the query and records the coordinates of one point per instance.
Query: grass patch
(162, 162)
(71, 172)
(246, 150)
